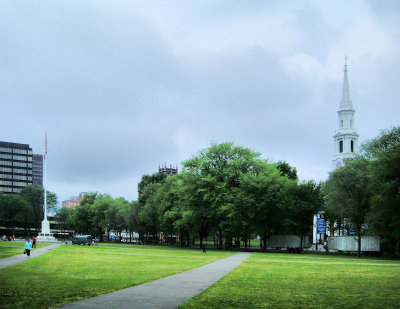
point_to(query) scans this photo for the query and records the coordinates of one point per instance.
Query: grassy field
(69, 273)
(10, 248)
(305, 281)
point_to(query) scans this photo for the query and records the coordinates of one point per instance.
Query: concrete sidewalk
(12, 260)
(168, 292)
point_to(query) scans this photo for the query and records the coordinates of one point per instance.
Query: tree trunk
(201, 240)
(220, 238)
(264, 243)
(180, 237)
(359, 243)
(301, 243)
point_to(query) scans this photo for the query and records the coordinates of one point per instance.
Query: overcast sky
(123, 86)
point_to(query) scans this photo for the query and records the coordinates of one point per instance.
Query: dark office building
(15, 167)
(37, 170)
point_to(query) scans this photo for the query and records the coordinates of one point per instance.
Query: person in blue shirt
(28, 247)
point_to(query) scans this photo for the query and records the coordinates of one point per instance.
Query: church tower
(346, 136)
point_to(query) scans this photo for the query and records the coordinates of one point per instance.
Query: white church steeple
(346, 136)
(346, 101)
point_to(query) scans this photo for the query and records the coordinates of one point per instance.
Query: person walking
(28, 247)
(33, 242)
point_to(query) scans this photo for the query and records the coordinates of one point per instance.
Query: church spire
(346, 101)
(346, 137)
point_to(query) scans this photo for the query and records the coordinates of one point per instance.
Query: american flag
(45, 145)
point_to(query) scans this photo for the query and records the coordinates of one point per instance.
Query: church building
(345, 146)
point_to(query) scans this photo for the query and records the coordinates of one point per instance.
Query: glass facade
(37, 169)
(15, 167)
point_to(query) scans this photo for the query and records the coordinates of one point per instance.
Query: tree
(82, 218)
(168, 200)
(149, 179)
(209, 180)
(301, 202)
(63, 217)
(384, 155)
(149, 216)
(15, 211)
(287, 170)
(262, 194)
(114, 215)
(131, 216)
(34, 196)
(98, 209)
(348, 187)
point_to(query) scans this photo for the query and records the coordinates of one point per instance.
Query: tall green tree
(15, 212)
(149, 215)
(150, 179)
(301, 201)
(98, 209)
(114, 216)
(82, 218)
(384, 155)
(34, 196)
(63, 217)
(263, 193)
(348, 187)
(210, 179)
(131, 217)
(287, 170)
(168, 200)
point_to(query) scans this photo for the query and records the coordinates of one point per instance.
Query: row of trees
(25, 210)
(365, 192)
(229, 192)
(98, 214)
(226, 191)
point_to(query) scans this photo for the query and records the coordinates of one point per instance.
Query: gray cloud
(122, 87)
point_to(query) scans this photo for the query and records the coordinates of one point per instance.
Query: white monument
(45, 234)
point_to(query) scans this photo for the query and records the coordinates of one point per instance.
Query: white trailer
(290, 242)
(350, 243)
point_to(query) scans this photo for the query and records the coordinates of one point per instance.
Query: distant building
(15, 167)
(169, 171)
(37, 169)
(73, 201)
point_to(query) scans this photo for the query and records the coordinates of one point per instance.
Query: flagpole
(44, 177)
(45, 235)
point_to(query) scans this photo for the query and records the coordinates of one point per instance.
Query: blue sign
(321, 226)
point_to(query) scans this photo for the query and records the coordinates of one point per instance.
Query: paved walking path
(15, 259)
(168, 292)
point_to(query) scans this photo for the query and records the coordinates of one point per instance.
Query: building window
(5, 156)
(352, 146)
(340, 146)
(342, 123)
(4, 149)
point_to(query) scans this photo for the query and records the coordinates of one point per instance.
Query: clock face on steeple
(338, 163)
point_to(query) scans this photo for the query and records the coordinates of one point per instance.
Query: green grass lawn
(10, 248)
(268, 280)
(69, 273)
